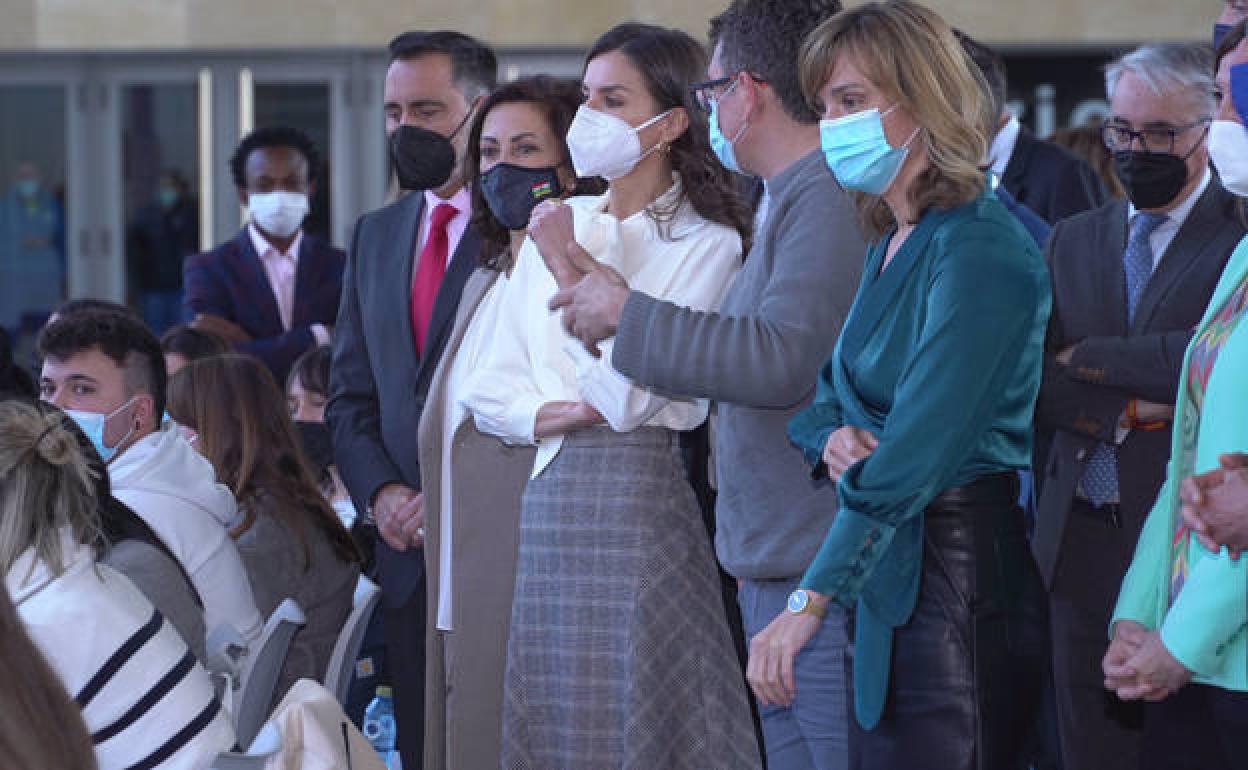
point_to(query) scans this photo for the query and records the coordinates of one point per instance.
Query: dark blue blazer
(230, 282)
(378, 382)
(1036, 227)
(1050, 180)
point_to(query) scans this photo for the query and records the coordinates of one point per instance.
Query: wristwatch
(801, 603)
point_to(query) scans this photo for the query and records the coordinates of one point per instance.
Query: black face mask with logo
(512, 192)
(1151, 179)
(423, 159)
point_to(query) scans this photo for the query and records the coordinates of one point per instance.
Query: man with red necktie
(408, 261)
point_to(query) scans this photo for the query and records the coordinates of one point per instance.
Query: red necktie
(429, 271)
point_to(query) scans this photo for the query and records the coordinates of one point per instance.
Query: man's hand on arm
(593, 306)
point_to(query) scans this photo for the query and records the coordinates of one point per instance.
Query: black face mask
(423, 159)
(1151, 179)
(316, 443)
(513, 191)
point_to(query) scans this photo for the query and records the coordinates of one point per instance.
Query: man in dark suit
(272, 290)
(407, 267)
(1046, 178)
(1130, 281)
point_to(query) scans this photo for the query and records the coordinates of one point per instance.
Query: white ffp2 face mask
(1228, 149)
(603, 145)
(278, 213)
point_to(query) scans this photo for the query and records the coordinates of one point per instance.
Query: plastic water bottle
(379, 727)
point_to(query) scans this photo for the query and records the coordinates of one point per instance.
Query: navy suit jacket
(230, 282)
(1050, 180)
(378, 382)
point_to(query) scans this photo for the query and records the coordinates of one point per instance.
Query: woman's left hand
(1158, 674)
(773, 651)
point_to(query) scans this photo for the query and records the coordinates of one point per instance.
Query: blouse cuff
(848, 556)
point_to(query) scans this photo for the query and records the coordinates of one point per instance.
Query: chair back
(267, 744)
(350, 639)
(261, 668)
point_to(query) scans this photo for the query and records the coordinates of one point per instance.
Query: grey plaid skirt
(619, 654)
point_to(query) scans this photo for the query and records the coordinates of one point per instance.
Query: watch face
(798, 600)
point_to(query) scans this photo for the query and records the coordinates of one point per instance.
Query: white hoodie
(174, 489)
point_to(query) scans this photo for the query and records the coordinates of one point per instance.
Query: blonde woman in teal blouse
(923, 414)
(1178, 630)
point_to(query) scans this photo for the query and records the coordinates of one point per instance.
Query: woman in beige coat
(472, 482)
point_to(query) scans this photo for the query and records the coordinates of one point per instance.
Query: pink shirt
(280, 268)
(462, 201)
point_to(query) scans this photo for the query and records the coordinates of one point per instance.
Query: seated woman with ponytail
(143, 697)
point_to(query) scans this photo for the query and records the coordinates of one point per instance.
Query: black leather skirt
(967, 669)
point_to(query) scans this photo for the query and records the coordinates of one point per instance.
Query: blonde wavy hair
(45, 486)
(912, 56)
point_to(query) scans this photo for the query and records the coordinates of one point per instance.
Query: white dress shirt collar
(1002, 147)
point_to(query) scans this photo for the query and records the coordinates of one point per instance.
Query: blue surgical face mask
(859, 154)
(721, 145)
(92, 425)
(27, 188)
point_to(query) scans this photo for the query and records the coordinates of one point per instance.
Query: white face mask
(278, 213)
(604, 145)
(1228, 148)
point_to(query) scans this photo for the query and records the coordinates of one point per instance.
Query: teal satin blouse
(940, 359)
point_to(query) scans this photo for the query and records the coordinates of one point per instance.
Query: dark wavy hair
(670, 62)
(235, 406)
(558, 99)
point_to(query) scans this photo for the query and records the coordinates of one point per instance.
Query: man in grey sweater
(759, 356)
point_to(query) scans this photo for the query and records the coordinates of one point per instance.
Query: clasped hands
(1137, 665)
(399, 512)
(591, 295)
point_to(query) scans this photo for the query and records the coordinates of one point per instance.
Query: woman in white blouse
(471, 481)
(619, 653)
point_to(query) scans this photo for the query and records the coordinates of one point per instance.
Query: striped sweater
(145, 700)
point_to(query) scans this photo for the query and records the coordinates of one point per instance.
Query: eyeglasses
(1119, 137)
(708, 93)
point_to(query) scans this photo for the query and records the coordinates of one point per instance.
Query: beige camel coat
(463, 732)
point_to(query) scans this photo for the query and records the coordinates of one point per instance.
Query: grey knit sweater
(758, 358)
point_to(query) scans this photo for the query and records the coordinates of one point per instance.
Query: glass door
(159, 206)
(34, 183)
